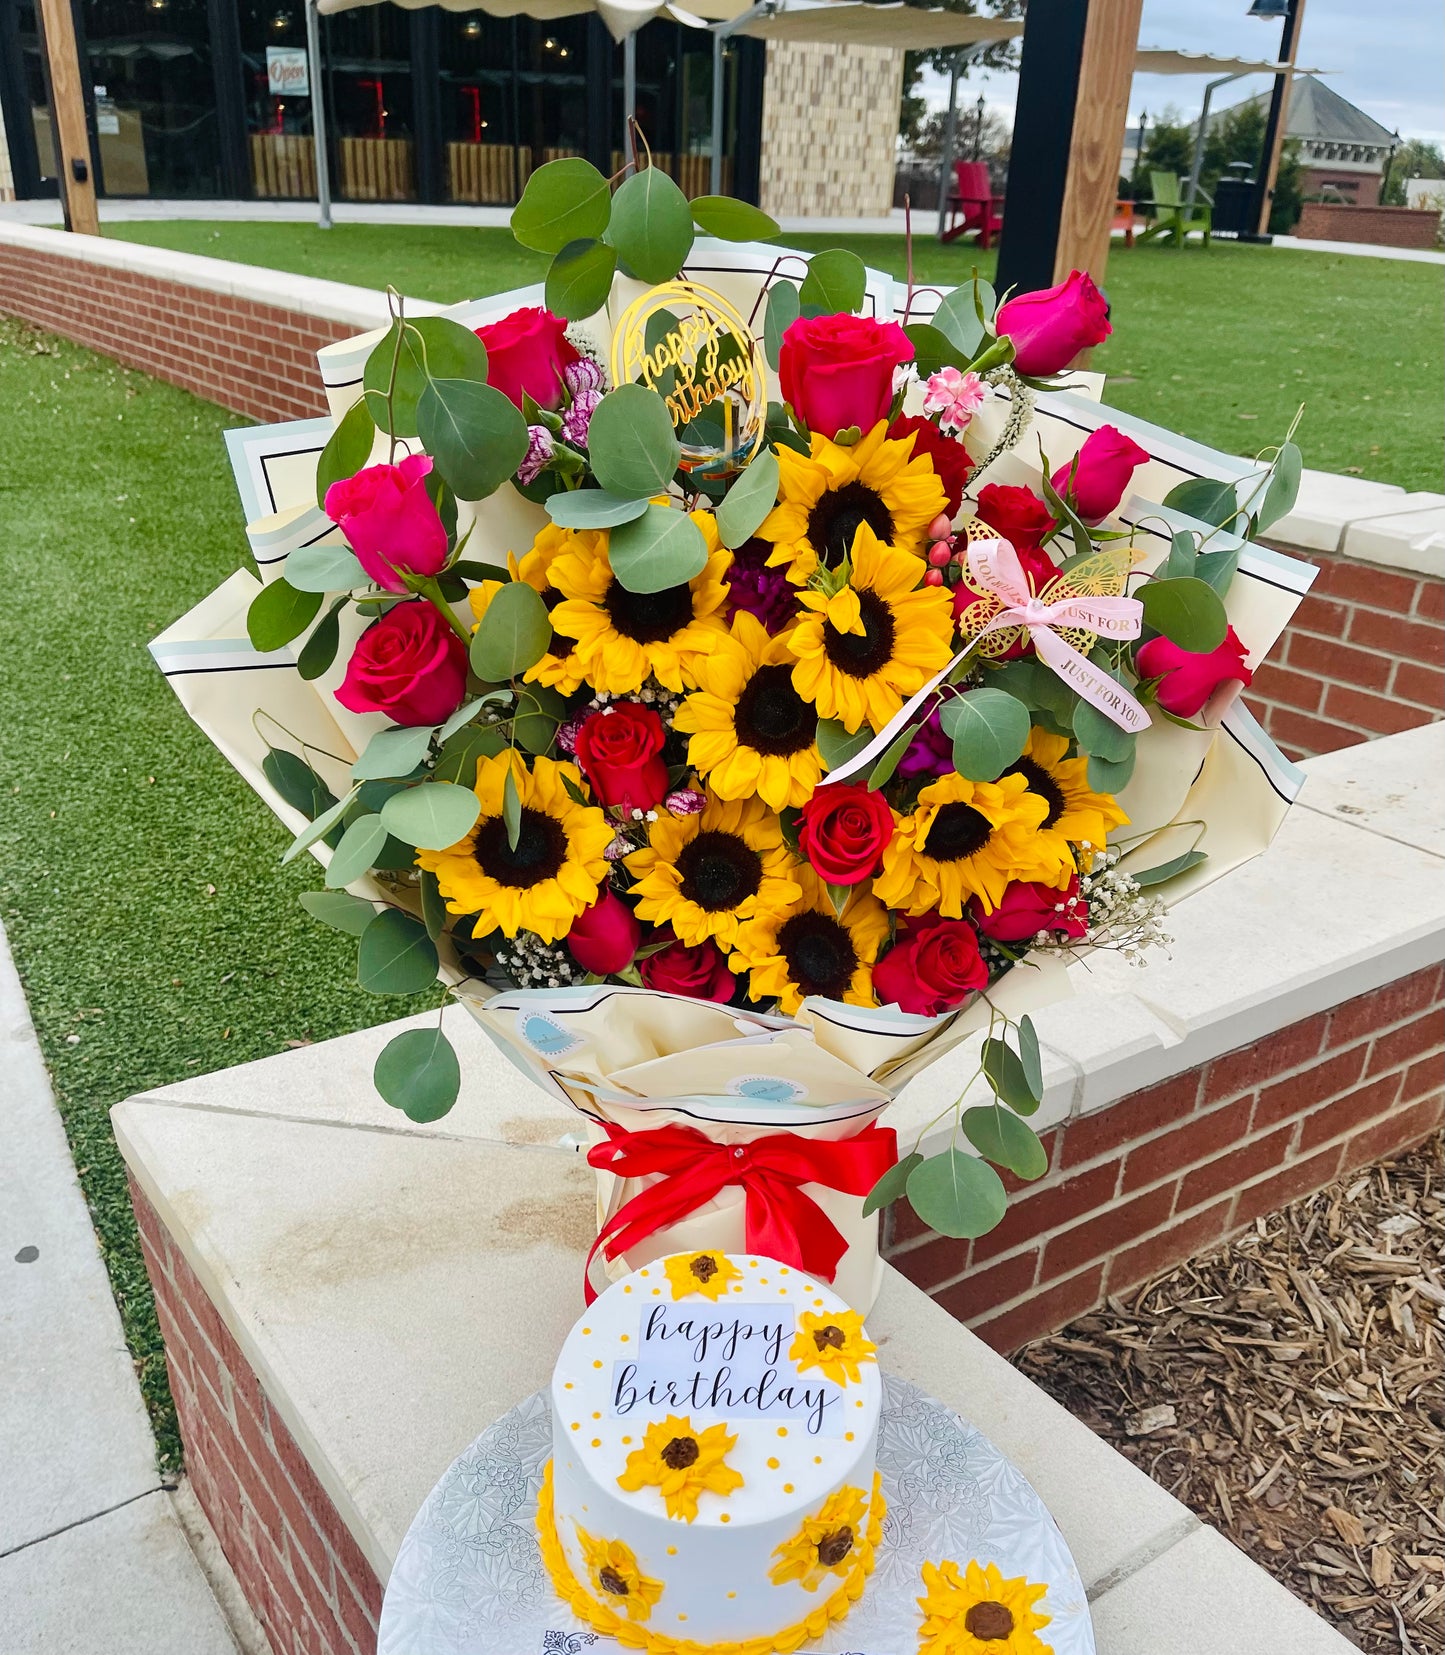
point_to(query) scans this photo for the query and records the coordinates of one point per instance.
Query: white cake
(712, 1482)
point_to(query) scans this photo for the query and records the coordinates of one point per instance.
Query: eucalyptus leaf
(1111, 775)
(319, 650)
(476, 436)
(297, 783)
(1145, 877)
(593, 508)
(564, 201)
(511, 810)
(630, 442)
(1001, 1137)
(1205, 498)
(1188, 612)
(432, 815)
(1030, 1056)
(1218, 569)
(512, 635)
(356, 852)
(731, 220)
(933, 349)
(957, 1194)
(892, 1184)
(958, 321)
(540, 709)
(347, 450)
(430, 348)
(1005, 1073)
(836, 747)
(433, 904)
(457, 761)
(1183, 556)
(1099, 736)
(1283, 491)
(748, 501)
(651, 225)
(340, 910)
(393, 752)
(783, 309)
(318, 828)
(579, 279)
(989, 729)
(882, 772)
(662, 548)
(836, 283)
(323, 568)
(418, 1072)
(279, 613)
(396, 956)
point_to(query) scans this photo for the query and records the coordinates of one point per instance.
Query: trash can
(1234, 203)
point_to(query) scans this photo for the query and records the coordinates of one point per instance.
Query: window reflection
(369, 103)
(276, 87)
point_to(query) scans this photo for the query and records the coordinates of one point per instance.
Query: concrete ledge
(1367, 521)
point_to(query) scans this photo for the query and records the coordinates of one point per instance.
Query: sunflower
(552, 873)
(1076, 813)
(623, 636)
(833, 1341)
(979, 1614)
(704, 874)
(752, 733)
(824, 1544)
(863, 651)
(824, 496)
(708, 1273)
(616, 1576)
(969, 839)
(559, 667)
(682, 1462)
(811, 949)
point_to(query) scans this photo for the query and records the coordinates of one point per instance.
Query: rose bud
(934, 966)
(410, 665)
(528, 351)
(1016, 515)
(604, 937)
(1051, 327)
(1027, 907)
(701, 973)
(837, 371)
(619, 751)
(950, 462)
(1095, 480)
(843, 831)
(389, 521)
(1187, 679)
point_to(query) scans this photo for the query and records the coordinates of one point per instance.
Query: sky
(1388, 59)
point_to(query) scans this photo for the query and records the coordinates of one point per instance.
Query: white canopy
(622, 17)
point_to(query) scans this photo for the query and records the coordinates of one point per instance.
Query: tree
(913, 113)
(1414, 159)
(1168, 147)
(1238, 135)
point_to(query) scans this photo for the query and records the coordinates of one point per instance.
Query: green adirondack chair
(1170, 215)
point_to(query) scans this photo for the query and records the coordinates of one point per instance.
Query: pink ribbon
(994, 569)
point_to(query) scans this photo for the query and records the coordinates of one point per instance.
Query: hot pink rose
(603, 938)
(619, 749)
(837, 371)
(1051, 327)
(410, 665)
(389, 521)
(701, 973)
(1095, 480)
(527, 351)
(1028, 908)
(1186, 679)
(934, 966)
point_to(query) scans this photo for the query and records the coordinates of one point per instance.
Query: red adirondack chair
(972, 205)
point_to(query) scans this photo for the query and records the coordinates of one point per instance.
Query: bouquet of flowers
(742, 680)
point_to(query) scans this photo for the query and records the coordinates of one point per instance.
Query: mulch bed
(1288, 1390)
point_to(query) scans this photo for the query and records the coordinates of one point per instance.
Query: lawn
(1222, 345)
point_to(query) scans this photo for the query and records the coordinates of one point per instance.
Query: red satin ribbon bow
(780, 1222)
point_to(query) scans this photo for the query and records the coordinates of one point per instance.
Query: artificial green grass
(1222, 345)
(154, 932)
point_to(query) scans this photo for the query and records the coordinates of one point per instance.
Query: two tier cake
(712, 1482)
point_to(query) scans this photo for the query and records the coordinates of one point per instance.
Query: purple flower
(539, 452)
(764, 592)
(567, 734)
(578, 417)
(686, 801)
(930, 753)
(583, 375)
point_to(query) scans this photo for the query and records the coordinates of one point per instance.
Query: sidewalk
(94, 1559)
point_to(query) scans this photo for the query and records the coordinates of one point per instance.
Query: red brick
(1412, 1040)
(1119, 1223)
(1430, 605)
(1229, 1171)
(1422, 1079)
(1198, 1140)
(984, 1290)
(1248, 1067)
(1392, 1003)
(1394, 1133)
(1302, 736)
(1356, 1109)
(1366, 584)
(1320, 615)
(1028, 1218)
(1294, 689)
(1184, 1239)
(1298, 1093)
(1045, 1312)
(932, 1262)
(1298, 1178)
(1422, 685)
(1414, 640)
(1133, 1117)
(1377, 713)
(359, 1622)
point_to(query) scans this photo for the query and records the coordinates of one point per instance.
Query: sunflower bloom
(623, 637)
(979, 1612)
(752, 733)
(969, 839)
(1077, 814)
(616, 1577)
(705, 874)
(824, 1544)
(863, 651)
(811, 949)
(824, 497)
(552, 873)
(559, 667)
(682, 1462)
(834, 1343)
(708, 1273)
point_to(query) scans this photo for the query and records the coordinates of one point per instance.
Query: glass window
(674, 103)
(479, 107)
(369, 103)
(551, 90)
(25, 42)
(276, 89)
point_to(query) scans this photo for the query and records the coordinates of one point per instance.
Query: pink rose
(410, 665)
(837, 371)
(701, 973)
(934, 966)
(1095, 480)
(1051, 327)
(1187, 679)
(604, 937)
(389, 521)
(1027, 908)
(528, 351)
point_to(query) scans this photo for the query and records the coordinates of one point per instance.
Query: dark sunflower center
(829, 1338)
(989, 1620)
(860, 655)
(834, 521)
(821, 959)
(1042, 783)
(718, 871)
(703, 1267)
(771, 716)
(648, 617)
(540, 850)
(680, 1453)
(610, 1581)
(834, 1547)
(958, 831)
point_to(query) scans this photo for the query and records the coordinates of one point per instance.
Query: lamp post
(1292, 12)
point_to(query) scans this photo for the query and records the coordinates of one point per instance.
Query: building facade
(1343, 151)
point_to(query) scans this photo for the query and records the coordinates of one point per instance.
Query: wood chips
(1288, 1389)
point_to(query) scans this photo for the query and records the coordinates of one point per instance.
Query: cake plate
(469, 1580)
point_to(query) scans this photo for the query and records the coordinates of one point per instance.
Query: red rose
(1187, 679)
(1027, 908)
(837, 371)
(701, 973)
(1051, 327)
(619, 750)
(1038, 570)
(527, 351)
(603, 938)
(1017, 515)
(934, 967)
(389, 520)
(844, 830)
(1094, 481)
(949, 456)
(410, 665)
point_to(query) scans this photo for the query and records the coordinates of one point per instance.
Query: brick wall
(1379, 226)
(1364, 656)
(1170, 1172)
(258, 359)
